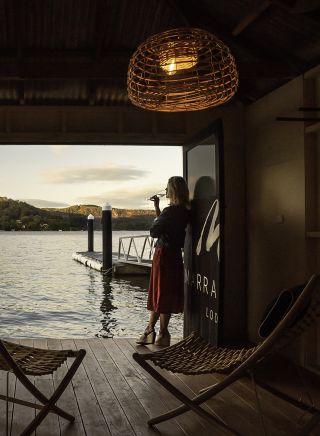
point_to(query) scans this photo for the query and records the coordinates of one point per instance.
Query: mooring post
(90, 232)
(107, 238)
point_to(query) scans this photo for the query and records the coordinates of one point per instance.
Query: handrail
(148, 241)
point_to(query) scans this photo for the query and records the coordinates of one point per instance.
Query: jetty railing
(139, 251)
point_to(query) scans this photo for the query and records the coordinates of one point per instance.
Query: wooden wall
(282, 167)
(89, 125)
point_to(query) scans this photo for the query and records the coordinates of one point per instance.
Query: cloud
(108, 172)
(43, 203)
(58, 149)
(124, 198)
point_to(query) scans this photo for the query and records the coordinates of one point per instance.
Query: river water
(44, 293)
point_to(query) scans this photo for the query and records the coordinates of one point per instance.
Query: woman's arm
(161, 224)
(156, 201)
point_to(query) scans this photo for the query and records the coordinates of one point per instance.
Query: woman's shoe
(163, 340)
(147, 338)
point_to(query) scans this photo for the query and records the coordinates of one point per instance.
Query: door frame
(213, 130)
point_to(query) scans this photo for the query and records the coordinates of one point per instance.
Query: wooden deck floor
(111, 395)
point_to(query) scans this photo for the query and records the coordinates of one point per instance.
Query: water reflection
(109, 323)
(93, 281)
(122, 305)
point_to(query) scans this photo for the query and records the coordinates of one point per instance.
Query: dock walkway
(112, 395)
(120, 266)
(123, 262)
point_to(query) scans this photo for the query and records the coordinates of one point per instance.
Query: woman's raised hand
(156, 200)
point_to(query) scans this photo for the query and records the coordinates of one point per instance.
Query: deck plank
(50, 425)
(237, 405)
(145, 393)
(3, 389)
(239, 410)
(91, 414)
(190, 422)
(112, 395)
(278, 413)
(133, 409)
(113, 413)
(67, 401)
(22, 415)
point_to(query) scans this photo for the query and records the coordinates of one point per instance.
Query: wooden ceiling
(76, 52)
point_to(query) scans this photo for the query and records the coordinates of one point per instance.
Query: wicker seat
(194, 356)
(24, 361)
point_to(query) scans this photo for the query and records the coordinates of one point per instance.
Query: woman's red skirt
(166, 289)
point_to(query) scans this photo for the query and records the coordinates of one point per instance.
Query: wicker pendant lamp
(182, 69)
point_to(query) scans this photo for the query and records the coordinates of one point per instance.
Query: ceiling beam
(200, 15)
(257, 10)
(303, 6)
(177, 9)
(62, 54)
(101, 28)
(114, 70)
(265, 70)
(19, 14)
(19, 8)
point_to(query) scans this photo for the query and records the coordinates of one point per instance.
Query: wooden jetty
(112, 395)
(120, 265)
(132, 257)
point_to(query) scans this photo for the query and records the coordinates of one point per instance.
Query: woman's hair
(178, 191)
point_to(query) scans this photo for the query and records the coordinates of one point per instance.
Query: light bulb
(174, 58)
(178, 63)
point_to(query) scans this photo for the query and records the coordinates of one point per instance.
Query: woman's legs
(148, 337)
(164, 322)
(163, 338)
(154, 316)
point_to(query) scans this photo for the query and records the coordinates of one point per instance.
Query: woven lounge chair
(194, 356)
(24, 361)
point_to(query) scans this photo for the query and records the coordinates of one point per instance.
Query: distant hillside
(18, 215)
(96, 211)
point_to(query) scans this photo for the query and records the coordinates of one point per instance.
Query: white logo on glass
(214, 230)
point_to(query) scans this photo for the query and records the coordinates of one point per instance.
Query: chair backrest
(5, 358)
(303, 313)
(299, 318)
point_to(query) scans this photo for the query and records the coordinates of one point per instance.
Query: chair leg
(171, 414)
(7, 405)
(49, 404)
(42, 398)
(193, 404)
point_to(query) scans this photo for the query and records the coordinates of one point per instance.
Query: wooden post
(107, 238)
(90, 232)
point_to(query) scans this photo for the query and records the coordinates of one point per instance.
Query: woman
(166, 281)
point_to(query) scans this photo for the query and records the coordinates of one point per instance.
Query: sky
(65, 175)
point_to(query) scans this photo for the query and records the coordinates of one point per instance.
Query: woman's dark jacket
(169, 227)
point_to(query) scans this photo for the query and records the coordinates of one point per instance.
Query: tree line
(18, 215)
